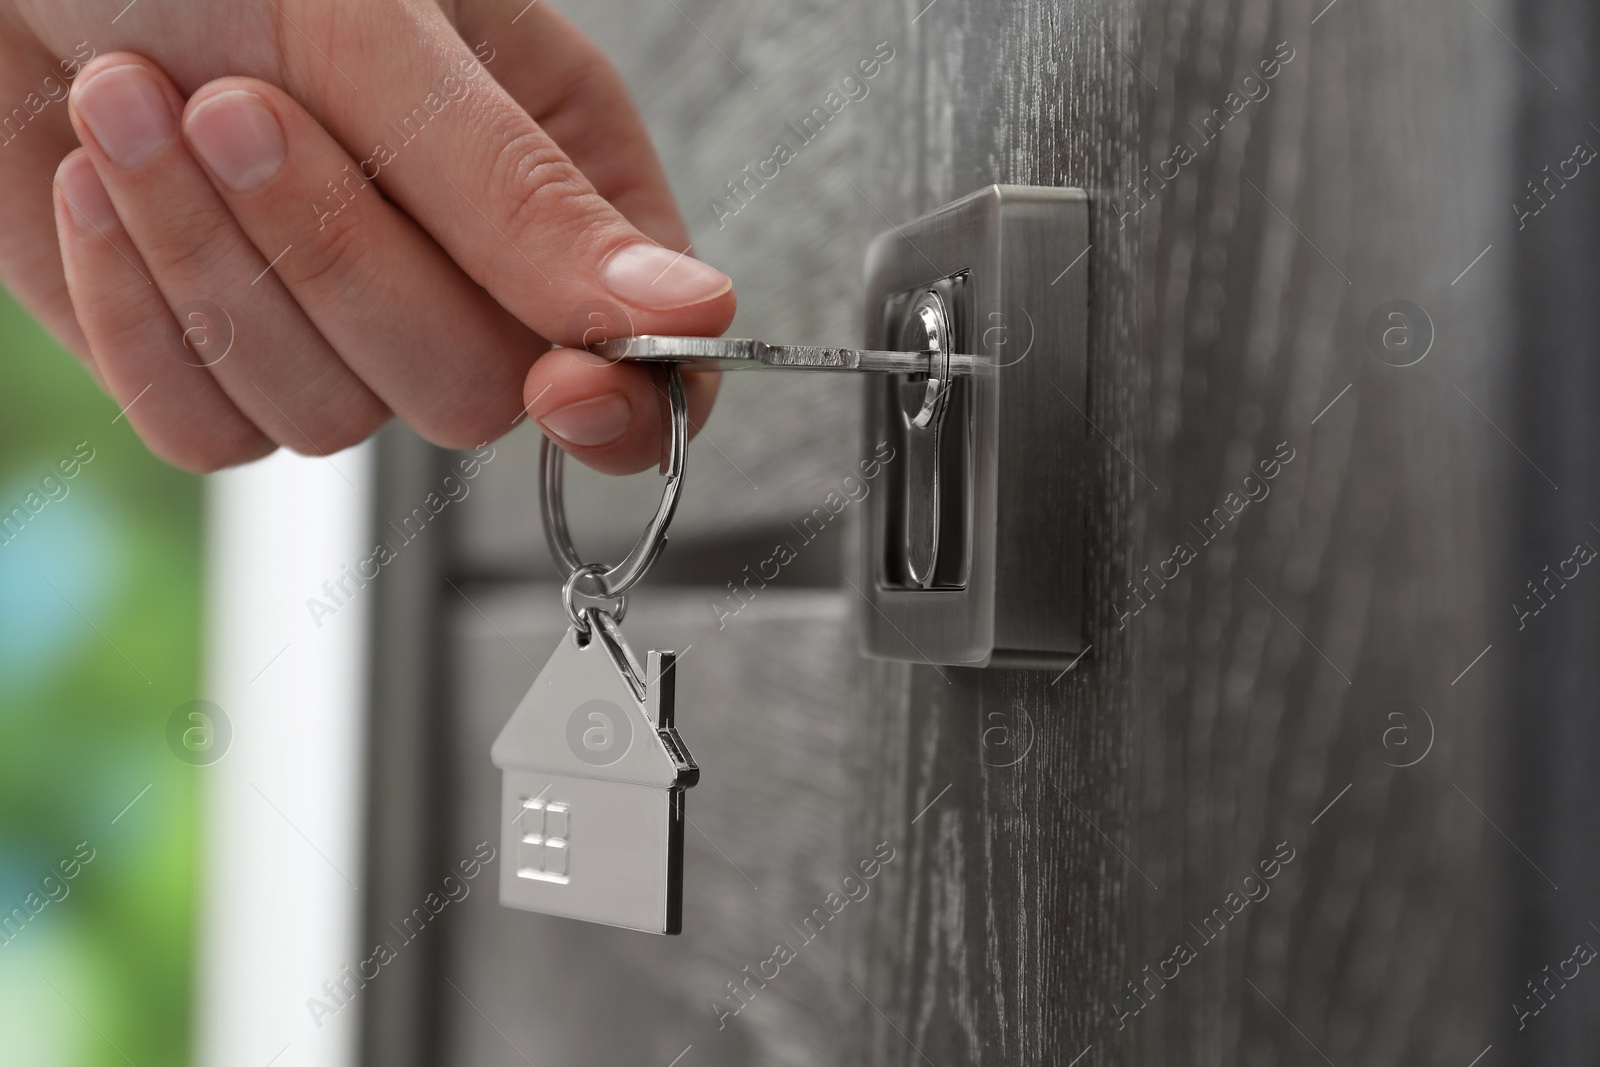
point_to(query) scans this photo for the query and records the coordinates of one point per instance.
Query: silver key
(737, 353)
(593, 787)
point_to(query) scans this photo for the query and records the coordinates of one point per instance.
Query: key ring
(580, 617)
(618, 579)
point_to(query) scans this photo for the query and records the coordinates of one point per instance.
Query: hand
(290, 218)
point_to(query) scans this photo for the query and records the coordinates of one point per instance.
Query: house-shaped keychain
(592, 790)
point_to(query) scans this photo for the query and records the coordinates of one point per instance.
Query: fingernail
(86, 197)
(649, 276)
(238, 137)
(590, 423)
(128, 114)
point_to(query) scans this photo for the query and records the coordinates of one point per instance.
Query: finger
(493, 188)
(577, 96)
(612, 417)
(279, 371)
(178, 409)
(427, 339)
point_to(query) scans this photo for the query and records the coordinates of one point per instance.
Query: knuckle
(597, 88)
(123, 327)
(325, 437)
(594, 81)
(229, 445)
(190, 250)
(543, 190)
(461, 427)
(477, 408)
(119, 322)
(333, 268)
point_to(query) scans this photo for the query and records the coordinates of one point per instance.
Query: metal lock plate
(973, 550)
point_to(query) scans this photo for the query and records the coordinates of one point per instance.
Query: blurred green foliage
(99, 643)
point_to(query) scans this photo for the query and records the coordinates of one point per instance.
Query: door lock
(923, 407)
(977, 319)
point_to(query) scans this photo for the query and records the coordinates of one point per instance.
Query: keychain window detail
(544, 850)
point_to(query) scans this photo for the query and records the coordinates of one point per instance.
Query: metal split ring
(580, 616)
(615, 580)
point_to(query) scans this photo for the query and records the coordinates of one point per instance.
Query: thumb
(460, 155)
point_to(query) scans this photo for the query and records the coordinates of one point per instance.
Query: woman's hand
(290, 218)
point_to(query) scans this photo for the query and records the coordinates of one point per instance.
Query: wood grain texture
(1257, 684)
(1551, 742)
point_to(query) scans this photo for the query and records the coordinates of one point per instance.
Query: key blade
(727, 353)
(737, 353)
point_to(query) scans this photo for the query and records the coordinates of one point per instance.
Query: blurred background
(108, 648)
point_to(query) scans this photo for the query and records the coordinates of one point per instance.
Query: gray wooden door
(1262, 819)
